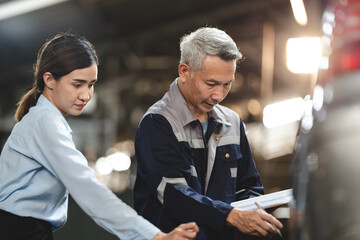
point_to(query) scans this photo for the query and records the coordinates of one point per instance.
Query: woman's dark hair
(60, 55)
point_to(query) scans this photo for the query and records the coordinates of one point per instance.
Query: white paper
(266, 201)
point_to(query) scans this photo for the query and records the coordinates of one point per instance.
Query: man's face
(205, 88)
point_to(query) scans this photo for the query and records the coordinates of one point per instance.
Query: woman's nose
(85, 95)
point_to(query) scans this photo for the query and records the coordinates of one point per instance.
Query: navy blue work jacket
(184, 175)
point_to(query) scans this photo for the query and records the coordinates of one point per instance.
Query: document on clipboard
(271, 200)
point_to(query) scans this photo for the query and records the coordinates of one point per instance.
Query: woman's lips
(80, 106)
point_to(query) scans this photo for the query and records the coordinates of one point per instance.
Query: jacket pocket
(226, 169)
(229, 155)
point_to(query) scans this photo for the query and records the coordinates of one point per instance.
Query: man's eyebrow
(219, 82)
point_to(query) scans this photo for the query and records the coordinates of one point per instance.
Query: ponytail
(27, 101)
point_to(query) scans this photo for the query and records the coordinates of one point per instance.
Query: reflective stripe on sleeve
(164, 181)
(193, 171)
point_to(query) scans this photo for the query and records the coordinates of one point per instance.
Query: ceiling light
(18, 7)
(299, 11)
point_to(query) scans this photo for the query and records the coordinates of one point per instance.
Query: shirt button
(227, 155)
(216, 138)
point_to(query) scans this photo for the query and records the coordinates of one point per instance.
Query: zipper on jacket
(204, 168)
(212, 125)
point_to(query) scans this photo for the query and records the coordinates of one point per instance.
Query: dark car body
(326, 166)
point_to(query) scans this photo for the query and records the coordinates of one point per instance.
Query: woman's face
(73, 91)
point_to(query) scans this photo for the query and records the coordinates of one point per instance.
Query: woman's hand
(184, 231)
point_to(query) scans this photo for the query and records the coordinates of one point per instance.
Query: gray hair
(195, 46)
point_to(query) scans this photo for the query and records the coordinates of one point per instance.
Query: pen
(277, 230)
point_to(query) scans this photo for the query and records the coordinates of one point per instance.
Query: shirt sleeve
(166, 171)
(54, 143)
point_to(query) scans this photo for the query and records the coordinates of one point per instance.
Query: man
(193, 155)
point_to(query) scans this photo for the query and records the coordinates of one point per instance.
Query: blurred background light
(324, 63)
(103, 166)
(318, 98)
(307, 120)
(284, 112)
(299, 11)
(254, 107)
(327, 28)
(303, 54)
(119, 161)
(18, 7)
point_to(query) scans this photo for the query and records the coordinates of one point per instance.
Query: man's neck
(201, 117)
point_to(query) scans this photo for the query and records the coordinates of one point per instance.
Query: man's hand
(182, 232)
(253, 222)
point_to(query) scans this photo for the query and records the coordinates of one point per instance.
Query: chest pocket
(229, 156)
(226, 169)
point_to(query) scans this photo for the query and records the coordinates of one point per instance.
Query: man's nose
(218, 94)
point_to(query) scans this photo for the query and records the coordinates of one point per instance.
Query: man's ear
(49, 80)
(184, 72)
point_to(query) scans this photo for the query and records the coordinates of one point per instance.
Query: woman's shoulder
(37, 122)
(42, 113)
(42, 118)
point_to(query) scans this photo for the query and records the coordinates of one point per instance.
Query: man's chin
(207, 108)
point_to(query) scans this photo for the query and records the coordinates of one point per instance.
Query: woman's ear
(49, 80)
(184, 72)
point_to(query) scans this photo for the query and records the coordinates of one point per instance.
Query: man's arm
(253, 222)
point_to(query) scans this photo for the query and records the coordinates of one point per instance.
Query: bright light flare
(103, 167)
(119, 161)
(284, 112)
(115, 162)
(303, 54)
(299, 11)
(318, 98)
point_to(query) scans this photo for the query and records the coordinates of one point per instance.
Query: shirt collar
(44, 102)
(182, 108)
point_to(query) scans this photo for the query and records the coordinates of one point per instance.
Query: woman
(40, 166)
